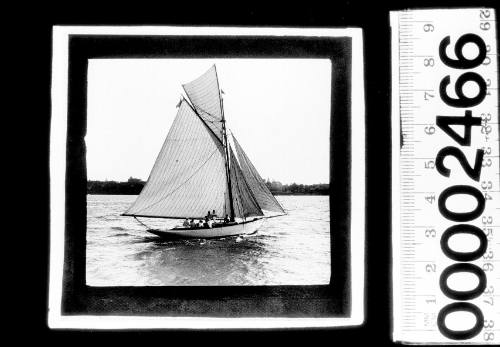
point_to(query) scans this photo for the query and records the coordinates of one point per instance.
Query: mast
(200, 84)
(226, 151)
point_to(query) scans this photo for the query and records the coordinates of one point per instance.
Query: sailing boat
(199, 169)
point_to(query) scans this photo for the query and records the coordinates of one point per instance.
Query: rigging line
(198, 108)
(208, 114)
(214, 123)
(203, 121)
(240, 206)
(178, 187)
(252, 195)
(146, 226)
(248, 163)
(218, 88)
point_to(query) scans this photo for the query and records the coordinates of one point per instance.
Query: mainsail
(197, 171)
(188, 177)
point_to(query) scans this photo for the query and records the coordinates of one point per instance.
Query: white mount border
(59, 92)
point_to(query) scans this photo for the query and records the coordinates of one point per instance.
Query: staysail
(245, 204)
(263, 196)
(188, 178)
(204, 94)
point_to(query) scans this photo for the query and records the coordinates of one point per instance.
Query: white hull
(244, 228)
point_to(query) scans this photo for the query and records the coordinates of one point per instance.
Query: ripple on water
(292, 249)
(120, 234)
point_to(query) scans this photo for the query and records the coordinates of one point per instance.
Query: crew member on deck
(192, 223)
(186, 223)
(214, 215)
(226, 219)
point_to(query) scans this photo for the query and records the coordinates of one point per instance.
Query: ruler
(446, 183)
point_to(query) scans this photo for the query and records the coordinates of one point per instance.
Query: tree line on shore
(133, 186)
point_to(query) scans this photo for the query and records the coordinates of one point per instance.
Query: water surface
(287, 250)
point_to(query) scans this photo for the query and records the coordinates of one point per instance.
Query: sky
(278, 110)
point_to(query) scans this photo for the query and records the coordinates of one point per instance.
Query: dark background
(28, 54)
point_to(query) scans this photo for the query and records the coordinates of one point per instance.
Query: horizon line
(265, 180)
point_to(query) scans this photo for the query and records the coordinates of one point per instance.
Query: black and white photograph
(223, 180)
(207, 174)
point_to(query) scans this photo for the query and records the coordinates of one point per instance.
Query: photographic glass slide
(159, 208)
(206, 178)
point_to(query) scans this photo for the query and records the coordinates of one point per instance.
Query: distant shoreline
(134, 186)
(275, 194)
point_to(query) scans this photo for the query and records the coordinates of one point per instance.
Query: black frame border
(333, 300)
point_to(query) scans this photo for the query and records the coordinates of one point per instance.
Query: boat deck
(217, 230)
(214, 225)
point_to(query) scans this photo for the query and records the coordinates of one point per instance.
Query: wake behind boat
(197, 170)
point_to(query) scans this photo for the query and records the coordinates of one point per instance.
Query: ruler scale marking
(417, 71)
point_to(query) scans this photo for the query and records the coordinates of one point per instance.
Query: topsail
(197, 170)
(204, 93)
